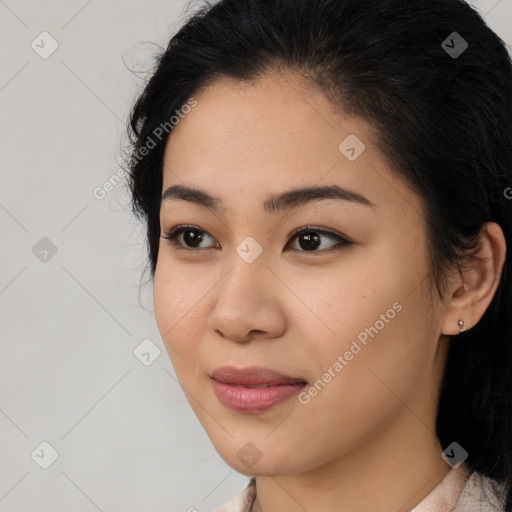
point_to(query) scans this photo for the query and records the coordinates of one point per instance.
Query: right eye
(191, 235)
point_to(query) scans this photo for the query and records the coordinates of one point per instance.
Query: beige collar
(458, 492)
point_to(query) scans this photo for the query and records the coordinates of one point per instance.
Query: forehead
(253, 139)
(276, 119)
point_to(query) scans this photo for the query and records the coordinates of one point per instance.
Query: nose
(248, 303)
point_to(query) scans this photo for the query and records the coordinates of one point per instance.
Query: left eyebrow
(283, 201)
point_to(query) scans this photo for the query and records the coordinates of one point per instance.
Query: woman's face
(350, 320)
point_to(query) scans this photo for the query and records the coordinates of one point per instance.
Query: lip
(229, 384)
(252, 376)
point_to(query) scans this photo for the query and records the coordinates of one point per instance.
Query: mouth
(258, 386)
(253, 377)
(255, 398)
(254, 389)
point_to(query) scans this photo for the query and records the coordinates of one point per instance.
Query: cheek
(374, 320)
(373, 380)
(388, 361)
(177, 308)
(341, 303)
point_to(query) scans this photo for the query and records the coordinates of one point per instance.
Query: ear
(468, 298)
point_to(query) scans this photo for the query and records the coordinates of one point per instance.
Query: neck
(389, 475)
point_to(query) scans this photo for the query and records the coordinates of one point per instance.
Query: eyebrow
(283, 201)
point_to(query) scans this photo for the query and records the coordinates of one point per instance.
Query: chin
(264, 466)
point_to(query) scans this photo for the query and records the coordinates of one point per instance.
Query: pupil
(306, 241)
(311, 241)
(193, 238)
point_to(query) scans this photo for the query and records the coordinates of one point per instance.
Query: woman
(327, 191)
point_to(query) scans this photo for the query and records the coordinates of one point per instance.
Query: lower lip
(253, 400)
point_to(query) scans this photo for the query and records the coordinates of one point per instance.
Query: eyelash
(172, 236)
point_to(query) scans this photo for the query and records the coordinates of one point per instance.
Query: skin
(367, 441)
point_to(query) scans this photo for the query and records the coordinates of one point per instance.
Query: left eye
(309, 238)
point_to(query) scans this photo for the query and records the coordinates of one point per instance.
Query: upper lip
(252, 376)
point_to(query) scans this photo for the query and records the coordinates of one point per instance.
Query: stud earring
(461, 325)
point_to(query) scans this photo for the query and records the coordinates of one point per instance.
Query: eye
(190, 237)
(310, 238)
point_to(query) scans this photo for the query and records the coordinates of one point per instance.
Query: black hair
(442, 114)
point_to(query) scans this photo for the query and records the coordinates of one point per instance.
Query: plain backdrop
(91, 415)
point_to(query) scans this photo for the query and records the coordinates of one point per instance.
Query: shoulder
(243, 501)
(481, 494)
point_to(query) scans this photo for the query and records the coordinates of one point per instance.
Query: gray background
(70, 371)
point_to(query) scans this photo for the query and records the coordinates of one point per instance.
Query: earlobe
(471, 298)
